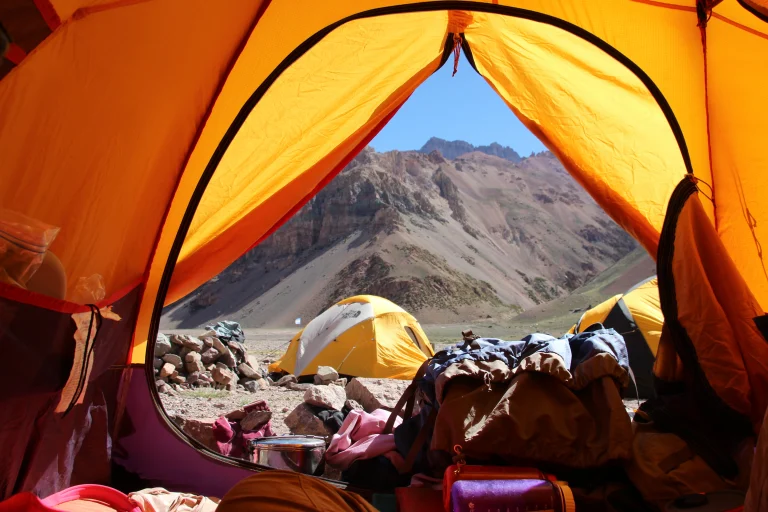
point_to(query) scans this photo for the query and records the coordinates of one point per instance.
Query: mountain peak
(455, 148)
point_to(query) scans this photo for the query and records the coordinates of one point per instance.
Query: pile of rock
(183, 361)
(331, 395)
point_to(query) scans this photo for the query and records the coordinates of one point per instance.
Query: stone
(193, 378)
(224, 377)
(247, 371)
(375, 394)
(157, 363)
(193, 363)
(263, 384)
(284, 380)
(183, 352)
(236, 415)
(173, 359)
(160, 385)
(207, 342)
(302, 421)
(295, 386)
(254, 420)
(327, 397)
(210, 355)
(162, 345)
(341, 382)
(219, 345)
(177, 378)
(325, 375)
(199, 429)
(353, 406)
(167, 370)
(251, 385)
(221, 365)
(227, 358)
(187, 341)
(237, 348)
(252, 360)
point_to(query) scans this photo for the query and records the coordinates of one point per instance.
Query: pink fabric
(360, 437)
(232, 440)
(79, 497)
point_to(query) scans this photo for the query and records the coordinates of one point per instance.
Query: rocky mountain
(455, 148)
(451, 240)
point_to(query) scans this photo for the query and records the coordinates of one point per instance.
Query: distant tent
(637, 316)
(363, 336)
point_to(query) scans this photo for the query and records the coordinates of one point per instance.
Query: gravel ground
(267, 345)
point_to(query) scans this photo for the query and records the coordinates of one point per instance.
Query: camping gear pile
(165, 159)
(217, 359)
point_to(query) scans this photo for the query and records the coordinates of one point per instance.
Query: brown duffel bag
(537, 413)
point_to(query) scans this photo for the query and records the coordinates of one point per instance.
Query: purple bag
(516, 494)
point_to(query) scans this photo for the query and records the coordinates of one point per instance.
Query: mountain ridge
(472, 237)
(452, 149)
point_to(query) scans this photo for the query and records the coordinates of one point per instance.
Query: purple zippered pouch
(505, 495)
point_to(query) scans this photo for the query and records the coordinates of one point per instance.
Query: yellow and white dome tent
(637, 316)
(362, 336)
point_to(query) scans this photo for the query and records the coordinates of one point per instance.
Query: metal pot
(303, 454)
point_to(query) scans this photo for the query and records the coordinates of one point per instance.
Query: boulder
(302, 421)
(187, 341)
(325, 375)
(341, 382)
(207, 342)
(286, 379)
(210, 355)
(254, 362)
(193, 363)
(160, 385)
(162, 345)
(251, 385)
(353, 406)
(223, 377)
(327, 397)
(227, 358)
(174, 359)
(167, 370)
(236, 415)
(255, 420)
(157, 363)
(248, 372)
(193, 378)
(237, 348)
(218, 345)
(375, 394)
(183, 352)
(201, 430)
(178, 379)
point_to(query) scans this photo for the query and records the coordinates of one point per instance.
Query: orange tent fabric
(166, 137)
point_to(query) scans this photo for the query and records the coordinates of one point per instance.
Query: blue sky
(463, 107)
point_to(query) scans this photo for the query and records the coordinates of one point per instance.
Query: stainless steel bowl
(303, 454)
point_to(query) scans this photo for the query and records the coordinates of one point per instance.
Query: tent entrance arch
(168, 280)
(639, 82)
